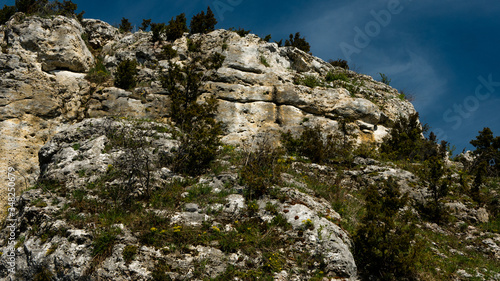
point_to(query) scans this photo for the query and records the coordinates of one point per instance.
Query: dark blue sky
(443, 52)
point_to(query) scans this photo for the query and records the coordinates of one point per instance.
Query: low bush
(310, 81)
(199, 138)
(406, 141)
(330, 77)
(98, 74)
(298, 42)
(261, 170)
(129, 253)
(313, 143)
(340, 63)
(241, 32)
(158, 30)
(145, 24)
(168, 52)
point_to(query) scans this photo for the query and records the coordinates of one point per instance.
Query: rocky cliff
(44, 62)
(61, 129)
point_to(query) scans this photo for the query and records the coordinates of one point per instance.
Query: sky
(444, 54)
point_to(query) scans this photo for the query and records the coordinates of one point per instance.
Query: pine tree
(125, 26)
(383, 246)
(203, 23)
(176, 28)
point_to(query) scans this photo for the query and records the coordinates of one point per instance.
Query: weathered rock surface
(80, 156)
(43, 87)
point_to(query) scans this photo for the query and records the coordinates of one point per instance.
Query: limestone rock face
(99, 33)
(43, 87)
(81, 156)
(55, 43)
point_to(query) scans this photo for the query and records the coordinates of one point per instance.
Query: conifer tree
(176, 27)
(203, 23)
(125, 26)
(383, 245)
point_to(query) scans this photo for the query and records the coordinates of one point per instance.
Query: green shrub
(406, 141)
(203, 23)
(168, 52)
(28, 6)
(384, 79)
(340, 63)
(125, 76)
(313, 145)
(42, 273)
(193, 46)
(98, 74)
(125, 26)
(214, 61)
(262, 170)
(297, 42)
(129, 253)
(6, 13)
(241, 32)
(267, 38)
(102, 246)
(330, 77)
(487, 152)
(384, 247)
(263, 60)
(48, 8)
(133, 168)
(176, 28)
(309, 80)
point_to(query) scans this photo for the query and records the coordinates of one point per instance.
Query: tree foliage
(384, 246)
(203, 23)
(6, 13)
(298, 42)
(176, 27)
(199, 138)
(158, 30)
(48, 8)
(261, 170)
(145, 24)
(125, 26)
(125, 76)
(406, 141)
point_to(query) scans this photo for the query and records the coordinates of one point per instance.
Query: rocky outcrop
(54, 43)
(42, 61)
(80, 156)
